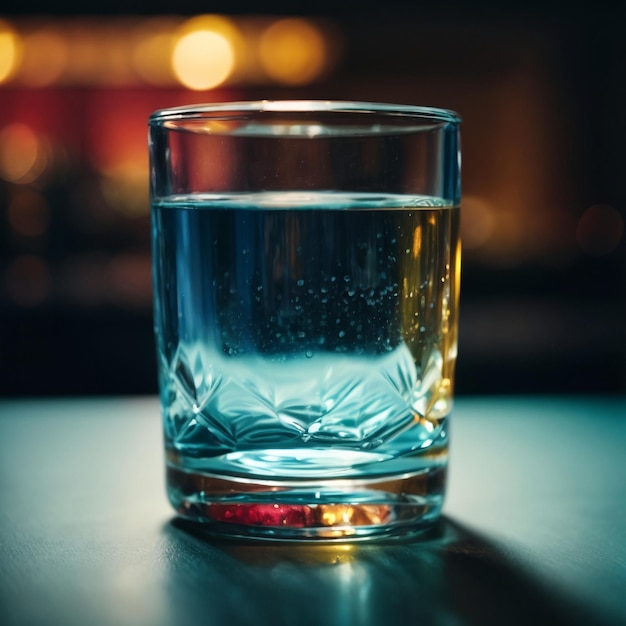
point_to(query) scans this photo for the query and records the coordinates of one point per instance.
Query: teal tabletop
(532, 531)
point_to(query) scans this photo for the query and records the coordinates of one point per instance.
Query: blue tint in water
(305, 336)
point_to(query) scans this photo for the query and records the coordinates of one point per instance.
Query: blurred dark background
(542, 92)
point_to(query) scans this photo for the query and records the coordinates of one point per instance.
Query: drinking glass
(306, 264)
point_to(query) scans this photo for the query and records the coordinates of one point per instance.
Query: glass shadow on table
(449, 576)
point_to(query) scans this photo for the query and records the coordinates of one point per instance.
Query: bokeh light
(23, 157)
(45, 58)
(200, 53)
(115, 43)
(204, 54)
(292, 51)
(84, 59)
(477, 222)
(124, 188)
(10, 51)
(151, 53)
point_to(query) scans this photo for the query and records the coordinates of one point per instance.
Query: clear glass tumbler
(306, 265)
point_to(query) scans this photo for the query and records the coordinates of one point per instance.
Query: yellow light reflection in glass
(417, 242)
(204, 54)
(10, 51)
(292, 51)
(45, 58)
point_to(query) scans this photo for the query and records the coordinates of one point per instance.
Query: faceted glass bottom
(340, 509)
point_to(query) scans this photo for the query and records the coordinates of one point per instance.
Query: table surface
(534, 528)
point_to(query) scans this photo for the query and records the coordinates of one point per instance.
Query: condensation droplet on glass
(308, 354)
(300, 283)
(342, 333)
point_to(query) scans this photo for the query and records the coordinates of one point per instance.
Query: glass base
(338, 509)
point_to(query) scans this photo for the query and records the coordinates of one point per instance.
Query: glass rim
(194, 112)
